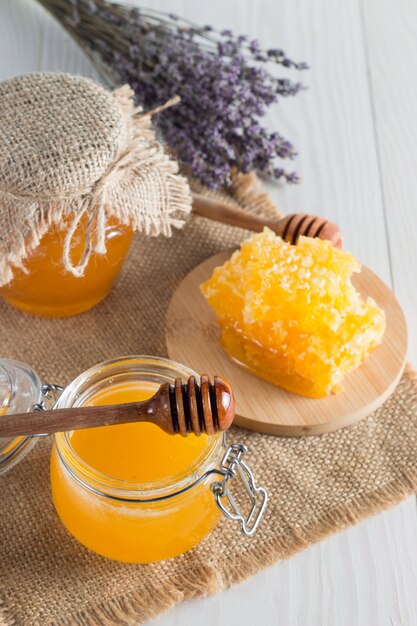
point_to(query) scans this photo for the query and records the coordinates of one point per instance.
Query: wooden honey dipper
(290, 227)
(176, 408)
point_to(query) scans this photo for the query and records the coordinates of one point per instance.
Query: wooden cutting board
(192, 336)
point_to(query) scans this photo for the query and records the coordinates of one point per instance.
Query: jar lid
(20, 389)
(48, 144)
(69, 147)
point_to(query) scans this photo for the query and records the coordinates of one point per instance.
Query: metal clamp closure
(232, 467)
(50, 395)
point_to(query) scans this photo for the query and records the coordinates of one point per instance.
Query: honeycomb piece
(290, 314)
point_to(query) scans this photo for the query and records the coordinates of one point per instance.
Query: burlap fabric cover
(69, 148)
(316, 485)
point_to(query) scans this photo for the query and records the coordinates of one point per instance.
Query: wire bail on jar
(232, 467)
(50, 394)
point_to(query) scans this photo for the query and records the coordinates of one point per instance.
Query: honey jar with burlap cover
(80, 171)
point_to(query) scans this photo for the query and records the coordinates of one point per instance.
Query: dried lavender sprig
(224, 87)
(210, 34)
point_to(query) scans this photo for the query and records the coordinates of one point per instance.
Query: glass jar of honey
(134, 493)
(44, 287)
(80, 170)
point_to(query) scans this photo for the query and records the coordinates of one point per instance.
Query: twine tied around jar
(72, 151)
(94, 205)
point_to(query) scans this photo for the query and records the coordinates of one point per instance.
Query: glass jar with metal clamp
(132, 492)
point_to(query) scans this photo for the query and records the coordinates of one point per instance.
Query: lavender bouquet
(222, 80)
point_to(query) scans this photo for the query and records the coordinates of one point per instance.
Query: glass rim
(115, 488)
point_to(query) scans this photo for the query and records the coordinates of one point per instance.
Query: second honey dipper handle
(290, 227)
(226, 214)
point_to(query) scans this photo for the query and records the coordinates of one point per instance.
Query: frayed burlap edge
(141, 188)
(134, 609)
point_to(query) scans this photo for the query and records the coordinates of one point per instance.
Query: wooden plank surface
(392, 53)
(355, 130)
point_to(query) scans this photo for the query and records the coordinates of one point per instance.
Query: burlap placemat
(317, 485)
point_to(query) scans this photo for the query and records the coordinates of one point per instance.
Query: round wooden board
(192, 336)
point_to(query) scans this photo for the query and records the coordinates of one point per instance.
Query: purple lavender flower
(222, 80)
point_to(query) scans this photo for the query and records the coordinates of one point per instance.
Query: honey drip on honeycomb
(290, 314)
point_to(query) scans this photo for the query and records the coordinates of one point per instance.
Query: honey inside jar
(45, 288)
(128, 459)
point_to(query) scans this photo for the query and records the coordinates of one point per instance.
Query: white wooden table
(356, 131)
